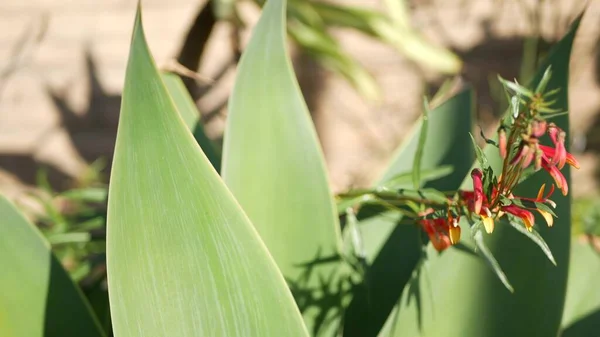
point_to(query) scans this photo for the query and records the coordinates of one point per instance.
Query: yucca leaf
(457, 286)
(393, 250)
(190, 115)
(38, 298)
(273, 165)
(183, 259)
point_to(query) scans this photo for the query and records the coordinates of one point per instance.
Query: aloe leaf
(273, 165)
(581, 317)
(190, 115)
(182, 257)
(392, 250)
(38, 297)
(456, 286)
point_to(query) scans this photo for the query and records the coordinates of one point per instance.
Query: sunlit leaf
(182, 257)
(190, 115)
(273, 165)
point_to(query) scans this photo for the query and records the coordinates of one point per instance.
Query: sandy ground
(62, 65)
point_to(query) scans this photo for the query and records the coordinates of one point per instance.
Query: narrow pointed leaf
(191, 117)
(487, 255)
(273, 165)
(536, 238)
(38, 298)
(421, 145)
(183, 259)
(389, 244)
(462, 286)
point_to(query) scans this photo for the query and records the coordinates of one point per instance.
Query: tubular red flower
(549, 153)
(438, 232)
(477, 176)
(559, 178)
(525, 215)
(558, 138)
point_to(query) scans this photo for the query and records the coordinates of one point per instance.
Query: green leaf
(421, 145)
(479, 154)
(581, 317)
(183, 259)
(462, 286)
(38, 298)
(516, 88)
(273, 165)
(541, 87)
(392, 250)
(487, 255)
(190, 115)
(536, 238)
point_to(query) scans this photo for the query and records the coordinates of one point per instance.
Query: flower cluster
(492, 196)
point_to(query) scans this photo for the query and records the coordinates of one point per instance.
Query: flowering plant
(519, 140)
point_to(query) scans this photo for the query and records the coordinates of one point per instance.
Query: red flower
(559, 178)
(442, 232)
(558, 138)
(524, 214)
(550, 153)
(478, 194)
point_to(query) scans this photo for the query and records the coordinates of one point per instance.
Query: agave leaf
(581, 317)
(183, 259)
(273, 165)
(392, 250)
(455, 286)
(38, 297)
(190, 115)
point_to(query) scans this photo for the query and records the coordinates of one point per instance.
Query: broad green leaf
(456, 294)
(273, 165)
(38, 298)
(393, 250)
(581, 317)
(189, 113)
(182, 257)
